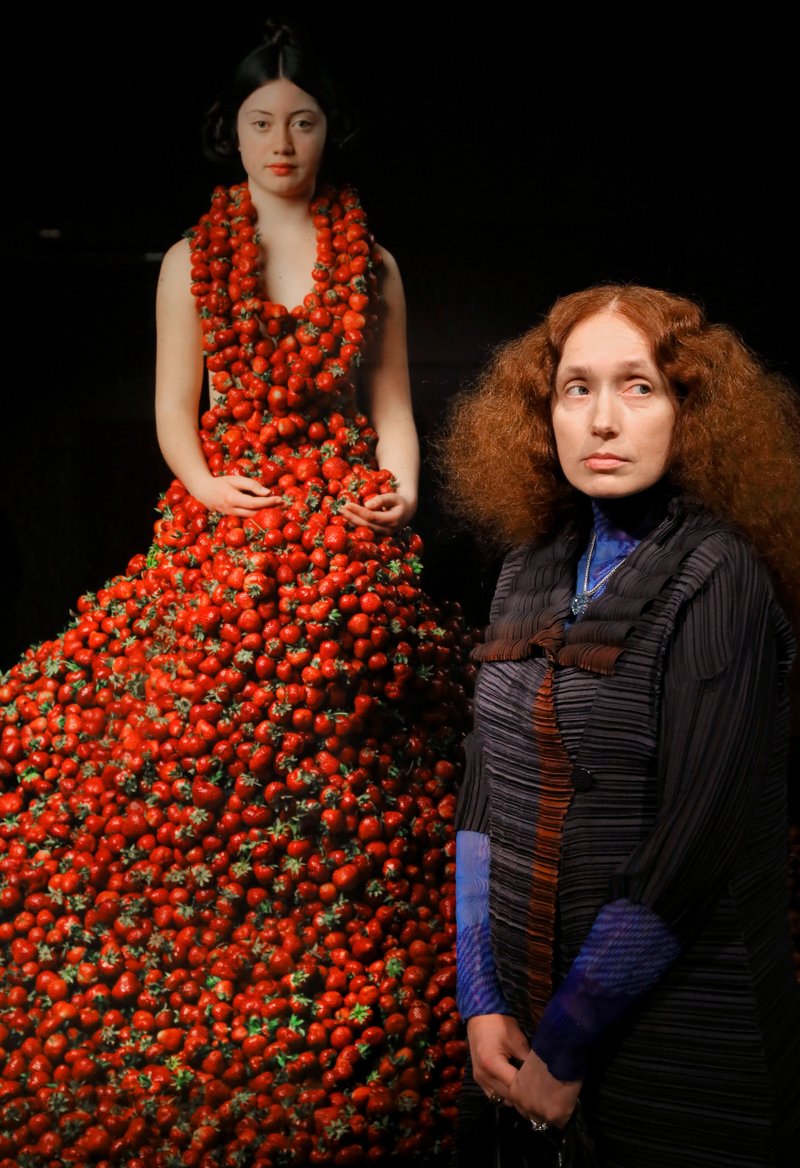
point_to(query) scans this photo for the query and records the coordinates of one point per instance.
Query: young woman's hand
(383, 514)
(236, 495)
(494, 1041)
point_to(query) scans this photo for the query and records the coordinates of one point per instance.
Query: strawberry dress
(227, 901)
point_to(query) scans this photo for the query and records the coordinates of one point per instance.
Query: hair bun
(277, 33)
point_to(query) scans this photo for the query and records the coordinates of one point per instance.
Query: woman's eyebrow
(633, 366)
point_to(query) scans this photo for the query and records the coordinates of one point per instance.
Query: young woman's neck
(280, 214)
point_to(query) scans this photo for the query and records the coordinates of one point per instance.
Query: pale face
(281, 132)
(613, 411)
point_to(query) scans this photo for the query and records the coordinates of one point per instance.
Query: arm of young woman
(179, 381)
(387, 386)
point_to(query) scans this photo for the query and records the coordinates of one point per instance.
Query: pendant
(580, 602)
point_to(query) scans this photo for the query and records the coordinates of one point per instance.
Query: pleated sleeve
(723, 737)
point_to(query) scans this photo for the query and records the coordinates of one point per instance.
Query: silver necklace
(580, 601)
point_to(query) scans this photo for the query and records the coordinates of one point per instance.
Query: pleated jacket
(641, 752)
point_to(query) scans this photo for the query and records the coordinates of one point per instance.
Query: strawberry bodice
(283, 378)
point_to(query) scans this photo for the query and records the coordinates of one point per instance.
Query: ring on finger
(538, 1125)
(495, 1098)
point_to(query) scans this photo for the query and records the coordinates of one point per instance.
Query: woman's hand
(236, 495)
(383, 514)
(538, 1096)
(494, 1040)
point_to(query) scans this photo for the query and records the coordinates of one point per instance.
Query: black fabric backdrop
(503, 160)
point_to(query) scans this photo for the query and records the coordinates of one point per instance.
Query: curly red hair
(736, 445)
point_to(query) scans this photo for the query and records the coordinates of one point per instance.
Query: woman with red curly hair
(624, 962)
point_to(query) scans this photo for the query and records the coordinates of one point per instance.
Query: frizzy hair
(736, 444)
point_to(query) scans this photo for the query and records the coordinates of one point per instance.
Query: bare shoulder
(175, 280)
(176, 264)
(389, 264)
(389, 278)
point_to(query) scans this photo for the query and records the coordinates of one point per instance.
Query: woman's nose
(605, 419)
(282, 143)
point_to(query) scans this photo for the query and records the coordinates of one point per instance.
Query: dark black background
(504, 160)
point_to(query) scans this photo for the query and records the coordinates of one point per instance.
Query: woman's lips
(281, 169)
(604, 461)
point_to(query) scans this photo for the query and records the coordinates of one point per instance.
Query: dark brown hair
(286, 50)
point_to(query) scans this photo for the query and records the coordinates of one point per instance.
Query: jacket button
(582, 779)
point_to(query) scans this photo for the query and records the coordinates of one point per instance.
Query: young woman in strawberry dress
(226, 841)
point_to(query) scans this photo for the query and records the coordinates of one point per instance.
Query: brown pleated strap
(555, 798)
